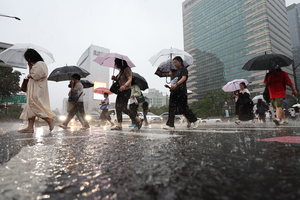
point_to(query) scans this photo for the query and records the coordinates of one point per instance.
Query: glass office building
(223, 35)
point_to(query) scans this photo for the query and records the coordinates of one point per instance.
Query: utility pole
(295, 76)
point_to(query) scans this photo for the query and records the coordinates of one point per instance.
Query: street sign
(13, 99)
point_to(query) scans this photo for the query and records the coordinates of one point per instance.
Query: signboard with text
(13, 99)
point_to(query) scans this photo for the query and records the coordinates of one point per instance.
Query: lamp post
(295, 76)
(17, 18)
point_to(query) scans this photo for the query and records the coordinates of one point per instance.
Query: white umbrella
(169, 54)
(108, 59)
(258, 97)
(14, 55)
(234, 85)
(296, 105)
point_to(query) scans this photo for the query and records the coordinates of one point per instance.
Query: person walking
(178, 97)
(38, 103)
(277, 80)
(146, 109)
(133, 107)
(124, 78)
(235, 98)
(261, 110)
(76, 87)
(245, 105)
(104, 114)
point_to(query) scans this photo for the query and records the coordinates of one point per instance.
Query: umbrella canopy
(296, 105)
(85, 83)
(168, 54)
(165, 67)
(14, 55)
(234, 85)
(108, 59)
(258, 97)
(102, 90)
(189, 92)
(65, 73)
(267, 62)
(140, 81)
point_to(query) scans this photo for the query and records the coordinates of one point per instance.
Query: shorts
(277, 103)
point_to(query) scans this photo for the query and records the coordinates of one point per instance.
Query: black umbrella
(267, 62)
(164, 68)
(140, 81)
(85, 83)
(65, 73)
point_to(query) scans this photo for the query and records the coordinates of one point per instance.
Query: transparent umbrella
(14, 55)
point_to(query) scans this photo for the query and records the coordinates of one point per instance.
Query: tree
(9, 81)
(159, 110)
(212, 104)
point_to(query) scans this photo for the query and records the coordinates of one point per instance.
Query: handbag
(73, 98)
(103, 107)
(24, 85)
(114, 88)
(139, 99)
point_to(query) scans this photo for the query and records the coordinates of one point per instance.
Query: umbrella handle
(167, 80)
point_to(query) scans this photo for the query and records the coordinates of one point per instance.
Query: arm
(122, 88)
(136, 91)
(179, 82)
(295, 93)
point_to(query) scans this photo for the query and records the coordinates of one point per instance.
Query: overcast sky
(136, 28)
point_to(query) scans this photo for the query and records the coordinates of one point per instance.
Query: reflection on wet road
(212, 162)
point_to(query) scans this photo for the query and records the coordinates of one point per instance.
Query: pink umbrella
(108, 59)
(102, 90)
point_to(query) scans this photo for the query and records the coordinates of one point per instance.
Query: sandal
(51, 126)
(117, 128)
(25, 131)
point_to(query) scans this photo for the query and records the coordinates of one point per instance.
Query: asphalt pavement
(216, 161)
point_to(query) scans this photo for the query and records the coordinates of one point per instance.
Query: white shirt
(245, 91)
(78, 88)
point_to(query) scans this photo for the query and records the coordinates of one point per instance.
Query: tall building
(293, 13)
(3, 47)
(156, 98)
(223, 35)
(99, 75)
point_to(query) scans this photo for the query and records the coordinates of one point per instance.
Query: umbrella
(234, 85)
(140, 81)
(165, 67)
(258, 97)
(168, 54)
(14, 55)
(65, 73)
(86, 84)
(267, 62)
(296, 105)
(102, 90)
(108, 59)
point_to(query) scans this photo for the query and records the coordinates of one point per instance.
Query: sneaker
(188, 126)
(283, 122)
(169, 128)
(117, 128)
(132, 125)
(196, 124)
(276, 121)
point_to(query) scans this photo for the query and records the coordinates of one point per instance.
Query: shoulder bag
(73, 98)
(24, 85)
(116, 86)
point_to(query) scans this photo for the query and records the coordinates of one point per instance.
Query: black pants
(178, 105)
(121, 105)
(262, 116)
(78, 107)
(133, 108)
(145, 117)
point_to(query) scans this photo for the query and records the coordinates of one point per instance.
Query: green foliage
(212, 104)
(9, 81)
(14, 112)
(159, 110)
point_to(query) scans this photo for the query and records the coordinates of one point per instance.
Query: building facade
(99, 75)
(156, 98)
(293, 13)
(223, 35)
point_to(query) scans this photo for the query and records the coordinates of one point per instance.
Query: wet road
(221, 161)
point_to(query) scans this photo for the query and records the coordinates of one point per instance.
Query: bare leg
(188, 123)
(280, 113)
(48, 120)
(31, 124)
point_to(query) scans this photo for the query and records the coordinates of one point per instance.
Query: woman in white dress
(38, 104)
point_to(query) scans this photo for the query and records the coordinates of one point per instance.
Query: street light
(17, 18)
